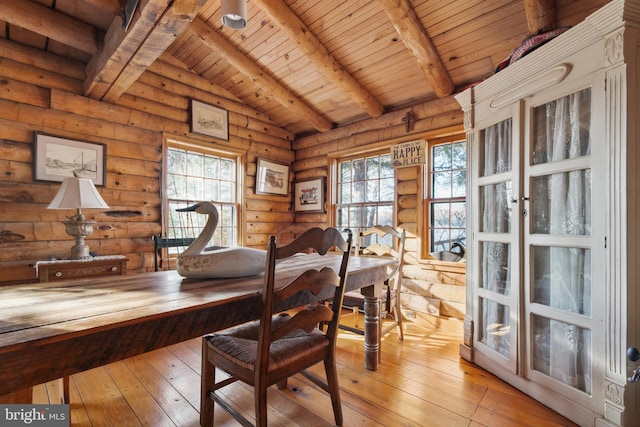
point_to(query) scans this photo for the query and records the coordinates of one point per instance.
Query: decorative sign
(410, 153)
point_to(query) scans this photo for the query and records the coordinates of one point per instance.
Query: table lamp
(78, 193)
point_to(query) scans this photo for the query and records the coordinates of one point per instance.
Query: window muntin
(447, 179)
(196, 175)
(365, 189)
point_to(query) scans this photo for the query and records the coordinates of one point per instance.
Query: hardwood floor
(420, 382)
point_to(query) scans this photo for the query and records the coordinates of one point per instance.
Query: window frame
(333, 168)
(214, 150)
(427, 198)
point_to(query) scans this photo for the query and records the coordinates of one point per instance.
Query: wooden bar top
(55, 329)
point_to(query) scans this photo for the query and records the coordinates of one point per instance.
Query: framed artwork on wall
(209, 120)
(272, 177)
(309, 195)
(57, 158)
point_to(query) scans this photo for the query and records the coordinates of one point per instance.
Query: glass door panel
(495, 205)
(495, 327)
(561, 203)
(496, 148)
(495, 246)
(562, 351)
(559, 248)
(495, 259)
(562, 278)
(561, 128)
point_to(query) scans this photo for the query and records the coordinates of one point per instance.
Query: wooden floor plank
(104, 402)
(400, 402)
(305, 394)
(79, 414)
(521, 409)
(179, 409)
(149, 412)
(420, 382)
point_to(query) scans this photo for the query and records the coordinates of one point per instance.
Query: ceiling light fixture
(234, 13)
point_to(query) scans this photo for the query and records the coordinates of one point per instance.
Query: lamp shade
(234, 13)
(77, 193)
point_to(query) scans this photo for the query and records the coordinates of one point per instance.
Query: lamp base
(80, 251)
(79, 227)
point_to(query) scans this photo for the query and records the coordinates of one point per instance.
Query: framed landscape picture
(272, 177)
(209, 120)
(57, 158)
(309, 195)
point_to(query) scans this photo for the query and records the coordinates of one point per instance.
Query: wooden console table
(51, 330)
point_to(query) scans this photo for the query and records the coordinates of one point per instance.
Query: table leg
(371, 332)
(64, 393)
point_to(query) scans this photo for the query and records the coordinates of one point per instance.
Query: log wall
(428, 286)
(39, 93)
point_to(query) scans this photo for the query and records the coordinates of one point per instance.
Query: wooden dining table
(51, 330)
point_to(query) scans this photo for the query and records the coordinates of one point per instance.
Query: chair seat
(239, 345)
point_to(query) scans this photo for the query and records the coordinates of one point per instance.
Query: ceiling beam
(415, 38)
(246, 66)
(113, 6)
(297, 31)
(127, 54)
(541, 15)
(50, 23)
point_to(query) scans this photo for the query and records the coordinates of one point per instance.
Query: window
(447, 187)
(195, 174)
(365, 190)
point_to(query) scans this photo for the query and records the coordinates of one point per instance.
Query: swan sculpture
(198, 261)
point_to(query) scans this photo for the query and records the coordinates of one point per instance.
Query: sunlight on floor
(425, 331)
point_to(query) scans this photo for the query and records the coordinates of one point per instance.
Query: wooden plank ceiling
(308, 65)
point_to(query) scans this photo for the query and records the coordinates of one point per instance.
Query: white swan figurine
(200, 262)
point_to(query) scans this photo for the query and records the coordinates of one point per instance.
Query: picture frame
(272, 177)
(56, 158)
(209, 120)
(309, 195)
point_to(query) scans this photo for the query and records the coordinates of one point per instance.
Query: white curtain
(496, 218)
(563, 279)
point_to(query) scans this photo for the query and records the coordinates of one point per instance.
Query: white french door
(496, 243)
(537, 175)
(563, 239)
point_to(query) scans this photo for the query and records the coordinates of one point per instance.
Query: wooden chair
(279, 345)
(390, 243)
(162, 243)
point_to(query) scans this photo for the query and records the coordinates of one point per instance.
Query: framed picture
(209, 120)
(57, 158)
(272, 177)
(309, 195)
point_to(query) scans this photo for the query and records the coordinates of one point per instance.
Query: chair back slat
(307, 319)
(315, 238)
(385, 250)
(312, 281)
(380, 250)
